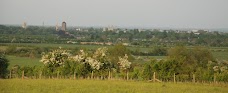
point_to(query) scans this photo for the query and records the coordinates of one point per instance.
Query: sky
(123, 13)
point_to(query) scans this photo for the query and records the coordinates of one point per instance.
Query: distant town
(110, 35)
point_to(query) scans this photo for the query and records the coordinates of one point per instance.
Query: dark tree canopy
(3, 66)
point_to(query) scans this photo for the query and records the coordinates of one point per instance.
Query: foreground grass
(102, 86)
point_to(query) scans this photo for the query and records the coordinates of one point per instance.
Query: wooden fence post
(74, 75)
(10, 74)
(127, 75)
(92, 75)
(40, 75)
(194, 78)
(109, 74)
(214, 78)
(23, 72)
(174, 78)
(57, 74)
(154, 77)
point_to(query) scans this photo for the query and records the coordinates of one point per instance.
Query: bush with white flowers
(55, 58)
(124, 63)
(62, 61)
(98, 58)
(80, 57)
(100, 53)
(95, 65)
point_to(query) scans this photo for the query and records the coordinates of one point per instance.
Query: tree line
(147, 38)
(35, 52)
(182, 63)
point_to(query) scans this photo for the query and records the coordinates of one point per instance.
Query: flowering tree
(95, 65)
(95, 62)
(55, 59)
(80, 65)
(61, 60)
(80, 57)
(124, 63)
(98, 61)
(100, 53)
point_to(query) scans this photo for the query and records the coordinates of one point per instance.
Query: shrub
(3, 66)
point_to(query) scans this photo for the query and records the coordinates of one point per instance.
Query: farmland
(104, 86)
(219, 53)
(23, 61)
(46, 62)
(114, 46)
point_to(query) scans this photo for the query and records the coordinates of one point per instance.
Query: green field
(220, 55)
(50, 45)
(103, 86)
(87, 46)
(26, 61)
(4, 45)
(23, 61)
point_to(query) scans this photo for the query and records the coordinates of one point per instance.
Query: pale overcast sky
(139, 13)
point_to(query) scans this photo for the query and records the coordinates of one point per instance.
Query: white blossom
(223, 68)
(216, 68)
(94, 63)
(100, 52)
(55, 57)
(80, 57)
(124, 63)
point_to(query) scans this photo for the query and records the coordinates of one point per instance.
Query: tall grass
(102, 86)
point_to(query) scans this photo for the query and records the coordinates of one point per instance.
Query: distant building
(141, 30)
(43, 23)
(24, 25)
(64, 26)
(57, 27)
(109, 28)
(105, 29)
(194, 31)
(78, 29)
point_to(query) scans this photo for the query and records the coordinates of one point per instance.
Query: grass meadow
(101, 86)
(220, 53)
(23, 61)
(104, 86)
